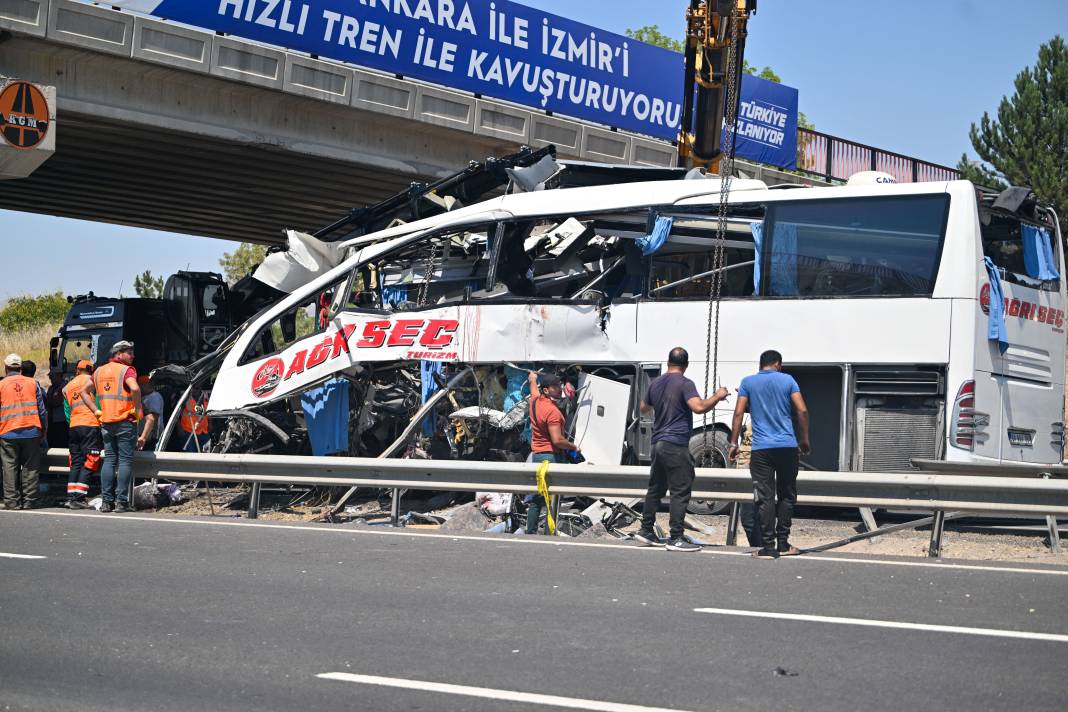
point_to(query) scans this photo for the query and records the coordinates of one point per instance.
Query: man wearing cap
(23, 424)
(114, 386)
(546, 432)
(83, 436)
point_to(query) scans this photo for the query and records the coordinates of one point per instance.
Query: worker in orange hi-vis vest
(114, 387)
(194, 424)
(84, 437)
(23, 423)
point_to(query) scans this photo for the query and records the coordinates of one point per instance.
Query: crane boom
(710, 27)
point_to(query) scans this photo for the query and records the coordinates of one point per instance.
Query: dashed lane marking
(20, 556)
(542, 541)
(954, 629)
(488, 693)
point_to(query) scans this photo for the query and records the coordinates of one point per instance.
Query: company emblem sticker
(267, 378)
(23, 115)
(984, 298)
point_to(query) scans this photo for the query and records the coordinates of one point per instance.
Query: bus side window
(299, 322)
(853, 247)
(683, 268)
(1002, 236)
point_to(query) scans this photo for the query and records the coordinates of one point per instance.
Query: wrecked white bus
(878, 296)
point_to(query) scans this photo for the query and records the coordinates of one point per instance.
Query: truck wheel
(712, 455)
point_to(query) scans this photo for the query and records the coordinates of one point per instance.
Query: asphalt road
(145, 613)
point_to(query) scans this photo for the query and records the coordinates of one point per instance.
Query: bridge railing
(835, 159)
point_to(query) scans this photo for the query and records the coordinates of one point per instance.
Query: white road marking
(961, 630)
(558, 542)
(20, 556)
(488, 693)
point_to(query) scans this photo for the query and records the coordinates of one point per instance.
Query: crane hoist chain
(431, 266)
(719, 253)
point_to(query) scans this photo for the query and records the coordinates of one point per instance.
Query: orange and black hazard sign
(23, 114)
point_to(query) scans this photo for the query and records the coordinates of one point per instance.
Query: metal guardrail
(957, 494)
(920, 490)
(836, 159)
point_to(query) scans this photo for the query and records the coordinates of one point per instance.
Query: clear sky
(908, 76)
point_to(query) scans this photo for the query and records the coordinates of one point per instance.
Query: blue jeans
(119, 442)
(537, 502)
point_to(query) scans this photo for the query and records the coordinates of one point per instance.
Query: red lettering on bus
(405, 332)
(341, 340)
(374, 334)
(296, 366)
(321, 352)
(439, 333)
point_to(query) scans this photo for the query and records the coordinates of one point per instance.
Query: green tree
(238, 264)
(1028, 142)
(147, 286)
(651, 34)
(26, 312)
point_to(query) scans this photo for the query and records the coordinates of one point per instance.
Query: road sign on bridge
(27, 127)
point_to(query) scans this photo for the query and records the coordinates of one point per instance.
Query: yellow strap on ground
(543, 490)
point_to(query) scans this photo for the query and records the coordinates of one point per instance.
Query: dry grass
(30, 344)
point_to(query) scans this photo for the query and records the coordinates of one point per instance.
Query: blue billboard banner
(767, 123)
(495, 48)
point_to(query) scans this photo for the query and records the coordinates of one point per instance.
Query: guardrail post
(394, 508)
(937, 528)
(732, 523)
(254, 501)
(1051, 525)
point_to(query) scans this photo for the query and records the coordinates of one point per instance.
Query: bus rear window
(853, 247)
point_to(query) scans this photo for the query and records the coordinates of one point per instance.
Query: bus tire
(718, 442)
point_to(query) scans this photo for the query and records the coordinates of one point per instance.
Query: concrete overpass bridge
(169, 127)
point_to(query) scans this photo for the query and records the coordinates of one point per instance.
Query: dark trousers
(83, 441)
(671, 470)
(119, 442)
(537, 503)
(20, 459)
(774, 473)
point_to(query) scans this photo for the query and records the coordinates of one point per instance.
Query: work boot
(122, 508)
(77, 504)
(107, 507)
(28, 505)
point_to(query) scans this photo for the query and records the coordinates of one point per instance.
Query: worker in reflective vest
(114, 387)
(195, 424)
(84, 437)
(23, 423)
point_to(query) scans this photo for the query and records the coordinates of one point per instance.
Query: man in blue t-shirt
(674, 398)
(773, 398)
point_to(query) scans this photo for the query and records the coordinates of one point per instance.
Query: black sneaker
(680, 544)
(647, 537)
(765, 554)
(122, 508)
(107, 507)
(76, 504)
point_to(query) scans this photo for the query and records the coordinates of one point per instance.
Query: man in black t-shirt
(674, 399)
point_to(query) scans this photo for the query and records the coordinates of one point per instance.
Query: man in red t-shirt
(546, 432)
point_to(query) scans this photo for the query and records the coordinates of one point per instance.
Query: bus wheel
(712, 454)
